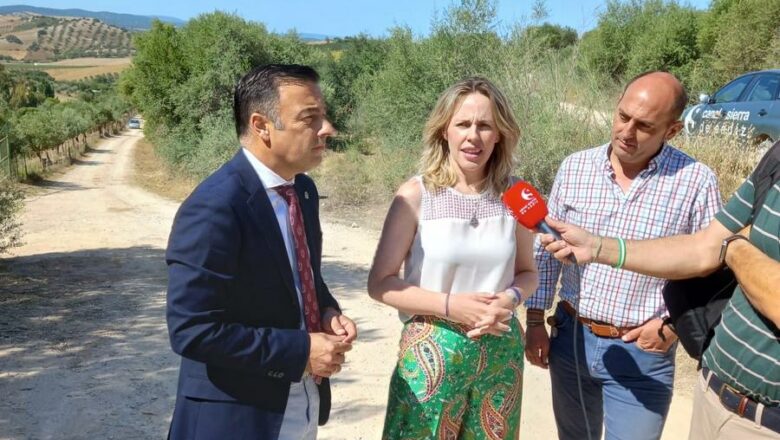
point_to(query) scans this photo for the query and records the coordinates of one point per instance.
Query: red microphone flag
(526, 204)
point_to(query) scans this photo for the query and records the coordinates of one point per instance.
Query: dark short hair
(680, 101)
(258, 91)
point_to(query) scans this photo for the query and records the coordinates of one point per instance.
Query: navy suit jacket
(232, 309)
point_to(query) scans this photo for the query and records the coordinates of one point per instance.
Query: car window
(731, 91)
(764, 89)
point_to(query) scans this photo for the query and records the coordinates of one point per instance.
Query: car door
(723, 114)
(763, 108)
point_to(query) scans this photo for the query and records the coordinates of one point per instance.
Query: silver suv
(747, 107)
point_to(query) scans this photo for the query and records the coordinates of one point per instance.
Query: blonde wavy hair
(437, 170)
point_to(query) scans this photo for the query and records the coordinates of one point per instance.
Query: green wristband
(621, 253)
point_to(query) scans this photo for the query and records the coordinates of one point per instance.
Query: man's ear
(673, 130)
(260, 126)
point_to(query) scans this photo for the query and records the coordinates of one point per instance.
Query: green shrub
(744, 37)
(380, 91)
(216, 146)
(11, 200)
(634, 36)
(182, 80)
(360, 58)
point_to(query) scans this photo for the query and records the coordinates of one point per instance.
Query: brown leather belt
(598, 328)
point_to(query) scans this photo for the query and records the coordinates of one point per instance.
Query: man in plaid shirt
(638, 187)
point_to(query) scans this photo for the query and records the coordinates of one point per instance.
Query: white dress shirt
(303, 404)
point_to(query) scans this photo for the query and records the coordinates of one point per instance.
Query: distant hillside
(39, 38)
(313, 37)
(127, 21)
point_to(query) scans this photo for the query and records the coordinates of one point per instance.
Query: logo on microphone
(530, 200)
(528, 206)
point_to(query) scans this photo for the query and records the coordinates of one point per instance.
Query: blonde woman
(467, 265)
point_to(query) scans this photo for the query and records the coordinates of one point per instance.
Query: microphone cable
(578, 273)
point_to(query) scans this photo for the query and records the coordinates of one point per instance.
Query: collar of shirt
(269, 178)
(602, 158)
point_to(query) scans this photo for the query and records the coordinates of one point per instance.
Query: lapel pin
(306, 195)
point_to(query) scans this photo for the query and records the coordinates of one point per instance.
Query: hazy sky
(342, 17)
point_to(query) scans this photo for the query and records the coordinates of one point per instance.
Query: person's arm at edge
(654, 335)
(680, 256)
(759, 276)
(675, 257)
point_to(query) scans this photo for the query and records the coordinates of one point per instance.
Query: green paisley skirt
(447, 386)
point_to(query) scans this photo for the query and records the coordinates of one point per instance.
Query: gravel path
(83, 344)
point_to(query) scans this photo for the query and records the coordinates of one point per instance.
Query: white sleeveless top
(449, 254)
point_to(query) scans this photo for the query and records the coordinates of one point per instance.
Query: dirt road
(83, 343)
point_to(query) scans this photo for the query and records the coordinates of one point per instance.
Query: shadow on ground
(84, 348)
(59, 186)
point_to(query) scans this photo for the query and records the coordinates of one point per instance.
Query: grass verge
(151, 174)
(731, 159)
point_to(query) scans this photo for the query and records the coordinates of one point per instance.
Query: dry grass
(731, 159)
(14, 50)
(79, 71)
(8, 23)
(15, 54)
(27, 36)
(93, 61)
(76, 68)
(152, 174)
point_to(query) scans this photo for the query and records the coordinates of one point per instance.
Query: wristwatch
(725, 245)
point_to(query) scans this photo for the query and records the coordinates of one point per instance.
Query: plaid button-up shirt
(673, 195)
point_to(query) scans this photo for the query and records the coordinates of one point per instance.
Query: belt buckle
(723, 387)
(604, 330)
(741, 404)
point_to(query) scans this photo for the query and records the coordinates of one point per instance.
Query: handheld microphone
(528, 207)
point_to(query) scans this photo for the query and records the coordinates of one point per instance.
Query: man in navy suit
(257, 328)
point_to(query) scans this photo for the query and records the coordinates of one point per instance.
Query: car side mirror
(704, 98)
